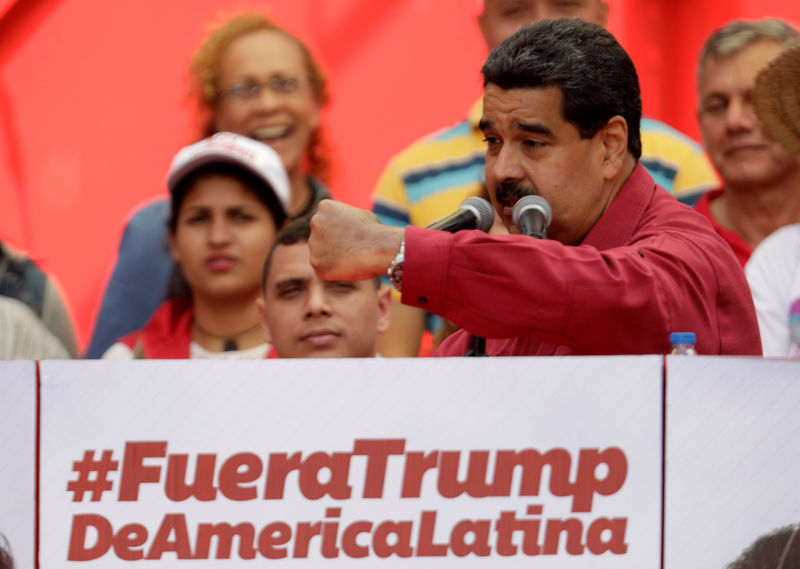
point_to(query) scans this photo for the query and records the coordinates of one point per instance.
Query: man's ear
(262, 315)
(614, 138)
(384, 307)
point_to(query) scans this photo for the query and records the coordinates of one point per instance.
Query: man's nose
(317, 301)
(740, 115)
(505, 165)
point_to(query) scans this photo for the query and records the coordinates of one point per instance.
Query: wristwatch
(395, 270)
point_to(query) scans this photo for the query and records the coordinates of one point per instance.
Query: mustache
(509, 192)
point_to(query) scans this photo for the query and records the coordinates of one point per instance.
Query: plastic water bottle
(683, 343)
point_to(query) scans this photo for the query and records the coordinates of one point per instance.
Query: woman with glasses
(253, 78)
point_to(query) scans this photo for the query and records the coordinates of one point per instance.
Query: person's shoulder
(450, 159)
(703, 203)
(15, 255)
(783, 243)
(119, 351)
(665, 203)
(26, 336)
(170, 315)
(145, 230)
(667, 215)
(445, 143)
(155, 210)
(168, 326)
(23, 279)
(788, 235)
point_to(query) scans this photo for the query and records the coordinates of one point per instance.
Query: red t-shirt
(740, 247)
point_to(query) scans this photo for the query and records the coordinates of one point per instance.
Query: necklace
(229, 343)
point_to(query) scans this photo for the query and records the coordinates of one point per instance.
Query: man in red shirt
(760, 181)
(624, 264)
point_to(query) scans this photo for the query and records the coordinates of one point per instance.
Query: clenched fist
(350, 244)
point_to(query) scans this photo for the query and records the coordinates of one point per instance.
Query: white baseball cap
(229, 148)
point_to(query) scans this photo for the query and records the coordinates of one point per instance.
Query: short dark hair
(297, 231)
(596, 76)
(259, 188)
(780, 545)
(6, 561)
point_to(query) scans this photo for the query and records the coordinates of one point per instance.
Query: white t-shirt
(773, 273)
(120, 351)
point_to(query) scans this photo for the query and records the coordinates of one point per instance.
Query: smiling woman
(254, 78)
(229, 196)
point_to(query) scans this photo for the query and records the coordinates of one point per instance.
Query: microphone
(473, 213)
(532, 216)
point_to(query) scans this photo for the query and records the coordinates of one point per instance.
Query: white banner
(18, 458)
(733, 456)
(469, 462)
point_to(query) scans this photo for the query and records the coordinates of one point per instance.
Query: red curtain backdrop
(93, 105)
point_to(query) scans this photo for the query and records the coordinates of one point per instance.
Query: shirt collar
(617, 224)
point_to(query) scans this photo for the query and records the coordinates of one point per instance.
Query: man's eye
(288, 291)
(715, 107)
(341, 286)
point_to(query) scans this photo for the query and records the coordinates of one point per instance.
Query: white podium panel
(461, 462)
(18, 458)
(733, 456)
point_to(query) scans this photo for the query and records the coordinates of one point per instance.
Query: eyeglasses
(251, 90)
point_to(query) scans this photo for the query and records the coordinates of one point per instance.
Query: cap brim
(180, 174)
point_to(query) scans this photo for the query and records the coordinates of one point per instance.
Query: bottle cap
(682, 338)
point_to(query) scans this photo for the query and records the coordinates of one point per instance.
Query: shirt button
(423, 300)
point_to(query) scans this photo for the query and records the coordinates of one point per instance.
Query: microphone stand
(536, 228)
(477, 347)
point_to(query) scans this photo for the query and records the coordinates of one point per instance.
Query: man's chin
(507, 218)
(331, 351)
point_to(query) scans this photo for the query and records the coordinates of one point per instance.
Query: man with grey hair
(760, 181)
